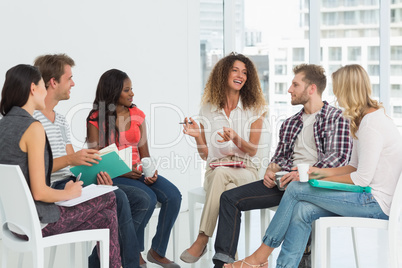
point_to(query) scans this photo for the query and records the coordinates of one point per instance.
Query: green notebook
(339, 186)
(114, 162)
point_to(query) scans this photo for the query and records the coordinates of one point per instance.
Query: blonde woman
(375, 162)
(231, 118)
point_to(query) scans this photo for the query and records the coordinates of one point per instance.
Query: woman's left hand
(227, 135)
(151, 180)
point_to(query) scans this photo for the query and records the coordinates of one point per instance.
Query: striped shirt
(58, 134)
(331, 135)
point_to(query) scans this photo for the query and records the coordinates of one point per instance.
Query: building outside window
(335, 53)
(354, 53)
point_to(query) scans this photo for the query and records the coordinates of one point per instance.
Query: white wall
(156, 42)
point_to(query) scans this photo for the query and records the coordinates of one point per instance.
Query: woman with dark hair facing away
(231, 118)
(23, 142)
(115, 119)
(376, 162)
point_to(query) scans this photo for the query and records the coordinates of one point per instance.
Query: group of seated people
(357, 145)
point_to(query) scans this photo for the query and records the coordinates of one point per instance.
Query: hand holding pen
(191, 128)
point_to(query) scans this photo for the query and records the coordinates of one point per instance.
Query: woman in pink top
(115, 119)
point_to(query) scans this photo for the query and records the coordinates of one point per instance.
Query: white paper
(89, 192)
(125, 154)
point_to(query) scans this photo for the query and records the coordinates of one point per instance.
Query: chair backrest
(17, 206)
(395, 223)
(264, 147)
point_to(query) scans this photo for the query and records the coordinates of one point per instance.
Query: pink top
(132, 136)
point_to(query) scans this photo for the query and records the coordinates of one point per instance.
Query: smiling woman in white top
(230, 123)
(375, 162)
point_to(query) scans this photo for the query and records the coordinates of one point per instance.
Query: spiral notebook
(339, 186)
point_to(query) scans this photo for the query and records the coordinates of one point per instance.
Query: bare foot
(198, 246)
(159, 258)
(247, 264)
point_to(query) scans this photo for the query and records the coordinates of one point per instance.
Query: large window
(349, 33)
(354, 53)
(335, 53)
(211, 35)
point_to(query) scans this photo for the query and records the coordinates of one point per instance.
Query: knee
(176, 198)
(218, 178)
(219, 173)
(121, 199)
(152, 200)
(303, 212)
(226, 198)
(292, 187)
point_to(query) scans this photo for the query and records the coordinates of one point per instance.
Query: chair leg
(52, 256)
(4, 257)
(104, 253)
(265, 221)
(86, 251)
(320, 245)
(20, 259)
(355, 249)
(191, 208)
(314, 248)
(176, 239)
(247, 231)
(38, 258)
(146, 236)
(327, 243)
(72, 255)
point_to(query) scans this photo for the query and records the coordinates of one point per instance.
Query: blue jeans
(250, 196)
(131, 205)
(169, 196)
(301, 205)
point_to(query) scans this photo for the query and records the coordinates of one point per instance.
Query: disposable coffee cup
(278, 176)
(148, 167)
(303, 175)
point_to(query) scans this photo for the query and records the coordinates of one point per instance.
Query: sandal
(251, 265)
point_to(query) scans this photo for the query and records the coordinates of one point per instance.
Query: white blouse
(214, 119)
(377, 156)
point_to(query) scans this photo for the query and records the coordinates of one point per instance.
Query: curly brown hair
(216, 87)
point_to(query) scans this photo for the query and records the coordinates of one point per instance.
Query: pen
(185, 123)
(78, 177)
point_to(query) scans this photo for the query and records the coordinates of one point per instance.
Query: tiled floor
(371, 246)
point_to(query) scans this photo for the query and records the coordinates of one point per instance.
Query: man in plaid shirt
(318, 135)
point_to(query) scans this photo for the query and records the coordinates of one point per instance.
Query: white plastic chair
(17, 208)
(175, 234)
(197, 195)
(321, 232)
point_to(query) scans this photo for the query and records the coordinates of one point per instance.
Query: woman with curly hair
(375, 162)
(231, 118)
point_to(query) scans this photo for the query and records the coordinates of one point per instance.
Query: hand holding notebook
(114, 162)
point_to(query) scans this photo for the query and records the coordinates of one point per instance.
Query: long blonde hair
(215, 89)
(352, 87)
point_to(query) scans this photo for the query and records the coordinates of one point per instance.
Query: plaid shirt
(331, 135)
